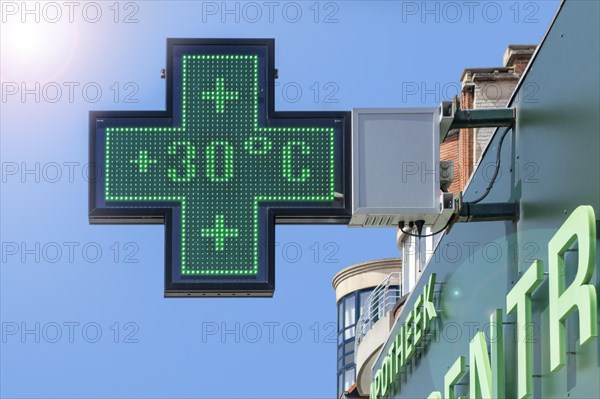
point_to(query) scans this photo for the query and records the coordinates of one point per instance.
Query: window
(364, 295)
(349, 308)
(349, 311)
(348, 378)
(340, 316)
(416, 253)
(349, 359)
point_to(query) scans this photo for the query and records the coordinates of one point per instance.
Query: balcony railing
(378, 304)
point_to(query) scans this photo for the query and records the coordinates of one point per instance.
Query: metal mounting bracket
(452, 118)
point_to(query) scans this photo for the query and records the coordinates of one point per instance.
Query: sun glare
(35, 50)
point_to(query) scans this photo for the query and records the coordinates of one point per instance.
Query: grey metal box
(395, 166)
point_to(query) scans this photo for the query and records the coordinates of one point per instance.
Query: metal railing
(382, 300)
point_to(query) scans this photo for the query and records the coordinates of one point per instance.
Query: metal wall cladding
(551, 165)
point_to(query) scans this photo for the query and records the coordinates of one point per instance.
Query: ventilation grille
(380, 221)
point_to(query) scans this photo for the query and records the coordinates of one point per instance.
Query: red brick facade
(459, 147)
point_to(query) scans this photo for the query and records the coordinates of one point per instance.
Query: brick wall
(483, 88)
(449, 152)
(465, 150)
(458, 147)
(490, 92)
(520, 63)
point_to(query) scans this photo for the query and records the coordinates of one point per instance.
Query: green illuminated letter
(409, 346)
(580, 226)
(429, 312)
(393, 360)
(487, 381)
(287, 161)
(435, 395)
(418, 326)
(498, 361)
(480, 372)
(399, 345)
(519, 300)
(453, 376)
(211, 162)
(376, 385)
(386, 380)
(187, 161)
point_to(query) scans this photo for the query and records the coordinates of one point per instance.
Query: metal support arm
(452, 118)
(488, 212)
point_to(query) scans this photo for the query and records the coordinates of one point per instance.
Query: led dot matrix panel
(219, 167)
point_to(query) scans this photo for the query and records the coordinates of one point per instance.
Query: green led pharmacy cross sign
(219, 167)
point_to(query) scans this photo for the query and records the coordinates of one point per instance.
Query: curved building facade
(357, 289)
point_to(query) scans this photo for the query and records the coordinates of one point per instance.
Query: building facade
(509, 308)
(482, 88)
(365, 294)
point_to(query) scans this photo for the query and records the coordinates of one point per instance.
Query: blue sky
(82, 310)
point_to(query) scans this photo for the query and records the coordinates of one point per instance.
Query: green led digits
(287, 161)
(219, 164)
(211, 167)
(189, 156)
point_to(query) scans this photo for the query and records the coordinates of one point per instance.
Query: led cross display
(220, 167)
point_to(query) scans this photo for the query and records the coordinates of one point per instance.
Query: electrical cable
(477, 200)
(401, 228)
(489, 188)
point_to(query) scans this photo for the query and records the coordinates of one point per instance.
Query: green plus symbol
(143, 161)
(219, 232)
(219, 95)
